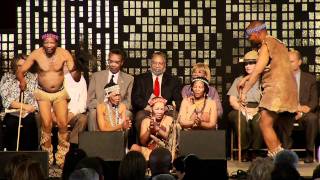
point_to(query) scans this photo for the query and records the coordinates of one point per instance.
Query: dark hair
(95, 163)
(285, 171)
(160, 161)
(84, 174)
(118, 52)
(286, 156)
(27, 170)
(206, 86)
(15, 60)
(178, 163)
(11, 166)
(261, 169)
(133, 166)
(316, 172)
(192, 167)
(71, 160)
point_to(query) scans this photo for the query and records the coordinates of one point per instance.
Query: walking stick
(239, 136)
(20, 116)
(174, 132)
(239, 129)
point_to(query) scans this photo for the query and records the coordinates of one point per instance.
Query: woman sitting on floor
(155, 129)
(111, 114)
(198, 111)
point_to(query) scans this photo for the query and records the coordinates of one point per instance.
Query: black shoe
(309, 157)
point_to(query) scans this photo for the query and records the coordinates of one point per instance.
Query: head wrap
(115, 88)
(250, 31)
(157, 99)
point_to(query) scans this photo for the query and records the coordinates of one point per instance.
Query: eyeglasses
(249, 63)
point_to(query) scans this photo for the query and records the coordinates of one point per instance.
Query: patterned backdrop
(189, 31)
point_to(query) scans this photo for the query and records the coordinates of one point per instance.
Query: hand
(241, 84)
(298, 115)
(153, 127)
(198, 120)
(169, 108)
(127, 124)
(23, 84)
(28, 107)
(303, 108)
(190, 98)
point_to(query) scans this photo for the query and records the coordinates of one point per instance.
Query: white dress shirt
(115, 78)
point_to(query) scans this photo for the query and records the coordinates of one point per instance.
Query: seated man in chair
(308, 101)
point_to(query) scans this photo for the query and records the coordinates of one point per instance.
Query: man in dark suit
(308, 101)
(154, 83)
(99, 80)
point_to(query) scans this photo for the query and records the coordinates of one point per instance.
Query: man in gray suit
(306, 114)
(98, 81)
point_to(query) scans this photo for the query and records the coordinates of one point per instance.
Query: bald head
(295, 60)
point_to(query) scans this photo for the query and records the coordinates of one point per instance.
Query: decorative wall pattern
(189, 31)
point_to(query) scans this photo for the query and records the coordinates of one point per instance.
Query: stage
(305, 170)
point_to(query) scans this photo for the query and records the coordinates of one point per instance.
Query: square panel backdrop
(189, 31)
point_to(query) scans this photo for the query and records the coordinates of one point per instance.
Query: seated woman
(111, 114)
(155, 129)
(198, 111)
(10, 93)
(202, 70)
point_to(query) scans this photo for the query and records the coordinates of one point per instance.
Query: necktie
(156, 90)
(111, 80)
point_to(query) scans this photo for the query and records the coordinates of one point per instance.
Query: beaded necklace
(115, 109)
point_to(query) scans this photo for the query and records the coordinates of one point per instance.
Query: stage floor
(305, 169)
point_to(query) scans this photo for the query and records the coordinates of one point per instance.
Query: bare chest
(53, 64)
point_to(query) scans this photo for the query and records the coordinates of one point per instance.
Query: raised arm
(185, 119)
(262, 62)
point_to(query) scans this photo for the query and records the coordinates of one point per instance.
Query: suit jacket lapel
(302, 85)
(149, 84)
(163, 85)
(104, 79)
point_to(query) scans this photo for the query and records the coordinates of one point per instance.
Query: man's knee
(310, 119)
(92, 120)
(82, 120)
(266, 120)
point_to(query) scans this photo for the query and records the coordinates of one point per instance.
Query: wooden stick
(239, 135)
(20, 116)
(239, 129)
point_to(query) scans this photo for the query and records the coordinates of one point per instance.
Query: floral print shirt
(10, 91)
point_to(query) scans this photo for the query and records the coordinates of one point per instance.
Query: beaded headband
(114, 88)
(254, 30)
(157, 99)
(204, 80)
(50, 35)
